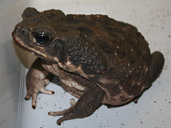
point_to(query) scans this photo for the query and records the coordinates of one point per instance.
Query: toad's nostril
(23, 31)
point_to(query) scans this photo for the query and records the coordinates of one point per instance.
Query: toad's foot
(84, 107)
(36, 80)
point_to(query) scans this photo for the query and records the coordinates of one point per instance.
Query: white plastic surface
(9, 68)
(153, 20)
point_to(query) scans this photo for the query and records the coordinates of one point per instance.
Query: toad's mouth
(20, 43)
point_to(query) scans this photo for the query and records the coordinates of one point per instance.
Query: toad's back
(118, 43)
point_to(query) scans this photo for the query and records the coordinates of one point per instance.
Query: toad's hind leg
(84, 107)
(156, 65)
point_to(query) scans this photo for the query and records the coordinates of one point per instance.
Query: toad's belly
(73, 87)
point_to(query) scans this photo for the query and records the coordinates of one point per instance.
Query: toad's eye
(41, 38)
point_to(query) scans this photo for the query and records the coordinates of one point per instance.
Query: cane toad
(97, 59)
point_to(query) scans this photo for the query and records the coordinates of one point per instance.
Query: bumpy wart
(81, 53)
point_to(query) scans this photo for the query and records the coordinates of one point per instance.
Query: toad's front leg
(36, 80)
